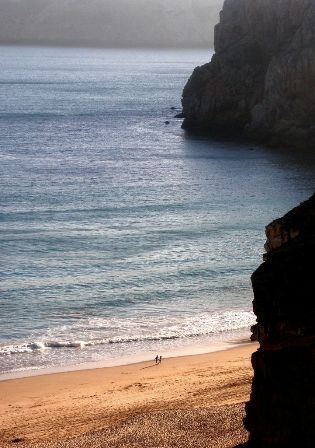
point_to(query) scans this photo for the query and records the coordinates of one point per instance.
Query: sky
(109, 23)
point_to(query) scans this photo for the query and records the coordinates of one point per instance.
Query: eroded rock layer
(281, 410)
(261, 79)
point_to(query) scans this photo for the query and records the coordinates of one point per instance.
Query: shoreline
(191, 350)
(85, 407)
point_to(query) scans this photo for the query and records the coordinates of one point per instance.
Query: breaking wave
(124, 332)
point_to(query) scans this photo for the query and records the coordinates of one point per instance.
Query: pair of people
(158, 359)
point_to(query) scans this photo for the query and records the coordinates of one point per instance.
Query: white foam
(102, 331)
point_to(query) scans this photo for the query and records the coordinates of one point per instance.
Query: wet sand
(190, 401)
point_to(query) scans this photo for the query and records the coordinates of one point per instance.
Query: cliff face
(261, 79)
(281, 410)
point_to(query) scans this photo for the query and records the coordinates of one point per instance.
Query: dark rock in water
(180, 115)
(261, 79)
(173, 108)
(281, 410)
(166, 122)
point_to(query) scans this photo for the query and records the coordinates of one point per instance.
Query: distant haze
(109, 23)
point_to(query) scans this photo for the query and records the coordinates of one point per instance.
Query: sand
(190, 401)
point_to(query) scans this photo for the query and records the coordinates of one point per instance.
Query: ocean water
(122, 236)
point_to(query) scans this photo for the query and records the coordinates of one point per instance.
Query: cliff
(261, 79)
(281, 410)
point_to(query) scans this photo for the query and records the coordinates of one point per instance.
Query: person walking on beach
(156, 359)
(160, 360)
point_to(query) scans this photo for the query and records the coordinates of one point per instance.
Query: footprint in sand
(138, 385)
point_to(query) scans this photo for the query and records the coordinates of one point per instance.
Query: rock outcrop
(261, 79)
(281, 410)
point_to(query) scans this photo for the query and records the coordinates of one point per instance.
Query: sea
(123, 236)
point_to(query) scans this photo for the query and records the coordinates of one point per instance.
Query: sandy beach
(191, 401)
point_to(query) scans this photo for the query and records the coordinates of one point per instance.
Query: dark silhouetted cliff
(281, 410)
(261, 79)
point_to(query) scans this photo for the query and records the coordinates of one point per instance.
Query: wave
(202, 325)
(38, 346)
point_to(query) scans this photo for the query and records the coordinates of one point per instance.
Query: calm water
(121, 235)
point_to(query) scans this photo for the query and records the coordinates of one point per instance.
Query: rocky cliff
(261, 79)
(281, 410)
